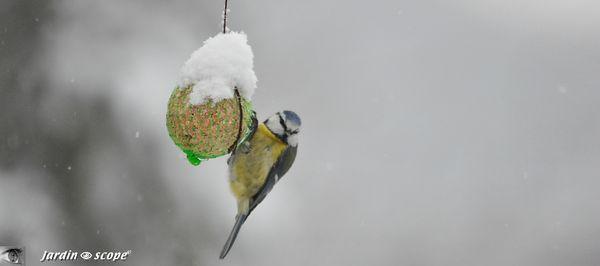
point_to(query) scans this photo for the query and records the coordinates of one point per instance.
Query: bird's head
(285, 125)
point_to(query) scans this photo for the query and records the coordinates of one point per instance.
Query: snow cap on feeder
(210, 112)
(224, 62)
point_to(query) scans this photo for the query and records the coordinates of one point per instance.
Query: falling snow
(562, 89)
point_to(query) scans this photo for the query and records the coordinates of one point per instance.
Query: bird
(258, 163)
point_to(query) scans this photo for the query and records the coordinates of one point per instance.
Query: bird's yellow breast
(249, 170)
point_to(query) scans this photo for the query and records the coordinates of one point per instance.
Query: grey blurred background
(435, 132)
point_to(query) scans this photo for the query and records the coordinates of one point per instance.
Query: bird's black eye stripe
(282, 122)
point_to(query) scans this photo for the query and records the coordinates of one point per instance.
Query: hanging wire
(233, 148)
(225, 18)
(241, 121)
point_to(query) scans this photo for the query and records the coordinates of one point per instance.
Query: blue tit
(259, 162)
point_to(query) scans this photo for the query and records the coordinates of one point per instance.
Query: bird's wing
(279, 169)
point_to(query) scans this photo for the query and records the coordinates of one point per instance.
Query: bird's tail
(239, 221)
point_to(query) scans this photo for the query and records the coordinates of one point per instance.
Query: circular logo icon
(86, 255)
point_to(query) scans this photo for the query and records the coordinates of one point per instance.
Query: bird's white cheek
(293, 140)
(275, 127)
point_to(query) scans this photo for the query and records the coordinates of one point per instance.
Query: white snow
(223, 63)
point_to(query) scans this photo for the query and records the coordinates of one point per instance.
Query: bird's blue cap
(292, 117)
